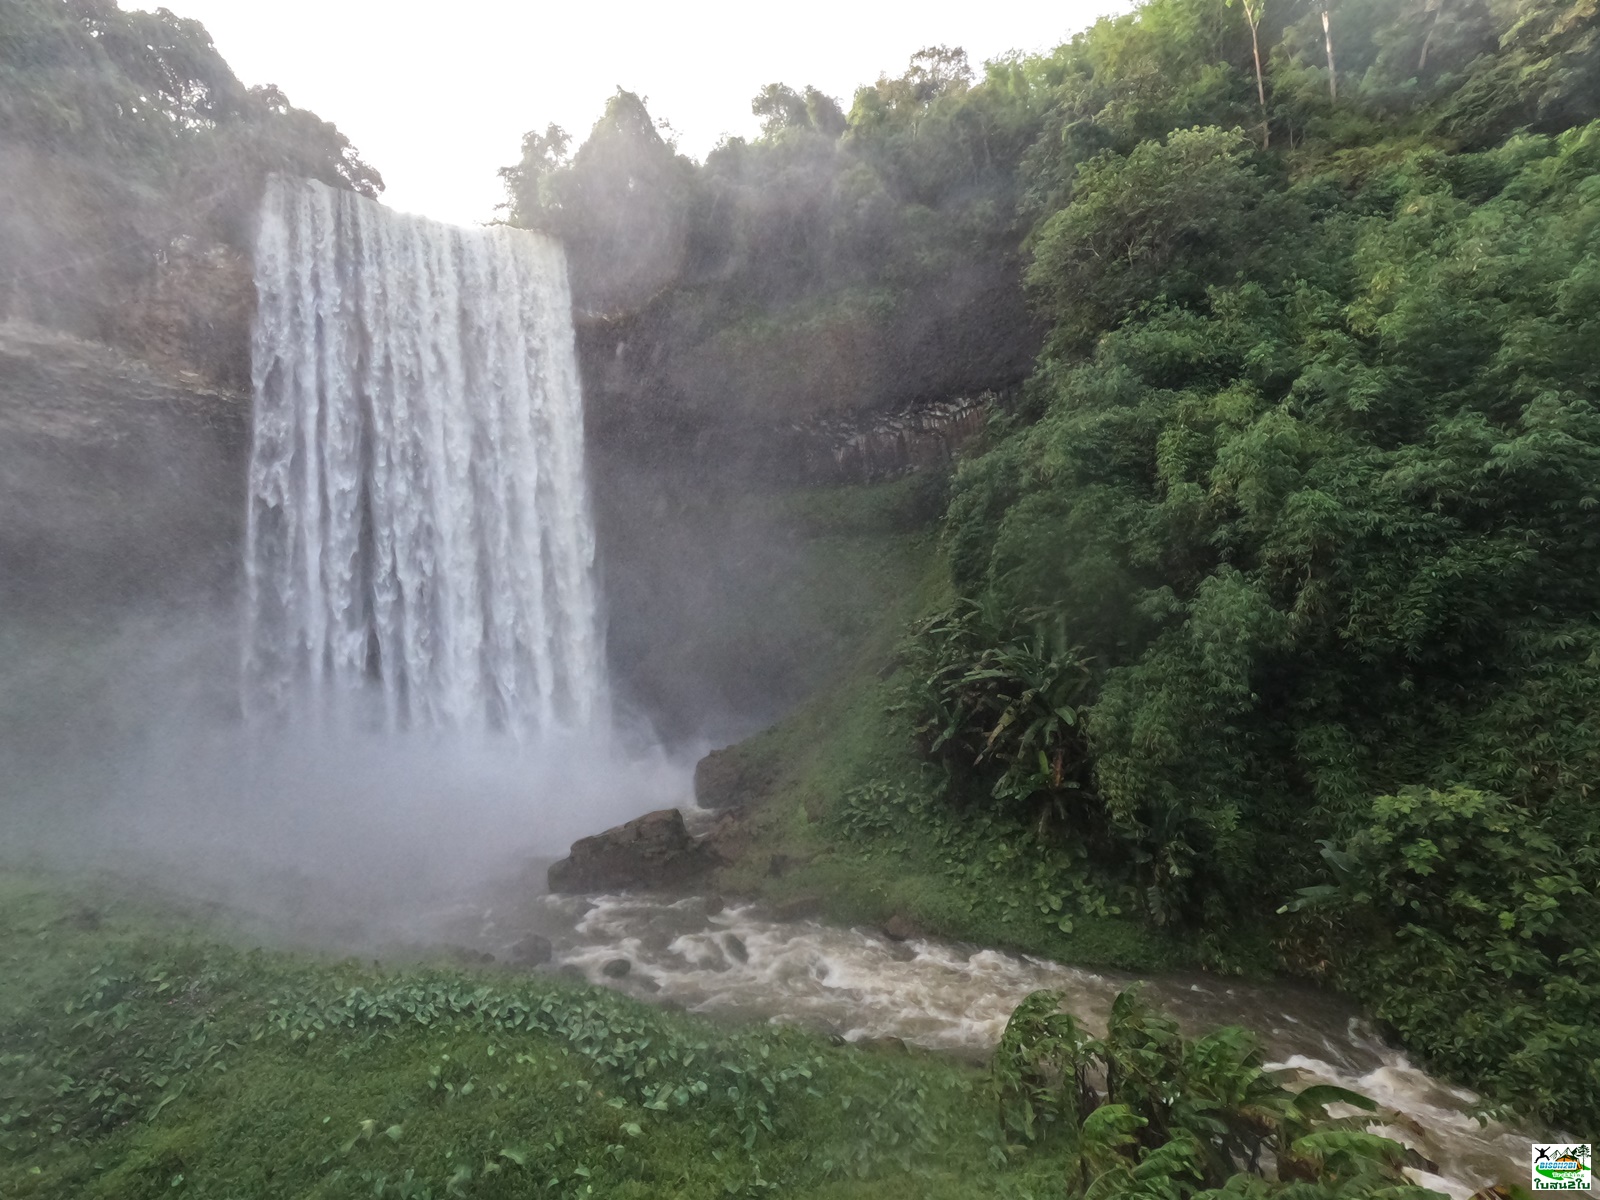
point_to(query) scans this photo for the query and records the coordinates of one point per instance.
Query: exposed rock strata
(119, 482)
(872, 447)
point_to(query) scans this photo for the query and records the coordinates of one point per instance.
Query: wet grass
(140, 1056)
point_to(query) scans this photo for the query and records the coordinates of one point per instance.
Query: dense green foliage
(990, 696)
(1307, 481)
(148, 92)
(1147, 1112)
(1465, 887)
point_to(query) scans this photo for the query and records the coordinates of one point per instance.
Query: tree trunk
(1422, 61)
(1252, 14)
(1333, 71)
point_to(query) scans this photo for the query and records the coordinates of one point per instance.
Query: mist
(128, 754)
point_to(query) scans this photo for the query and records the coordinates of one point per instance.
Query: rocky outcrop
(728, 778)
(678, 372)
(119, 482)
(873, 447)
(653, 852)
(901, 928)
(193, 311)
(163, 274)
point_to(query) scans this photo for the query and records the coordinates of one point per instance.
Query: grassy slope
(851, 746)
(140, 1057)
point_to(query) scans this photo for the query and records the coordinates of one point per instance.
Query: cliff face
(678, 373)
(79, 256)
(124, 377)
(699, 427)
(192, 312)
(122, 485)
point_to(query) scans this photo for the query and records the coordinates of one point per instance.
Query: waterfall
(419, 526)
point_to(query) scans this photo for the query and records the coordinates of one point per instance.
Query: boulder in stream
(531, 951)
(654, 851)
(901, 928)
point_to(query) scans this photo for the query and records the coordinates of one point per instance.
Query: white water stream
(419, 516)
(738, 963)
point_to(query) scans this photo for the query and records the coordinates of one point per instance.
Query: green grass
(140, 1056)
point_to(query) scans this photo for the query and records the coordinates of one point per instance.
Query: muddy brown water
(736, 962)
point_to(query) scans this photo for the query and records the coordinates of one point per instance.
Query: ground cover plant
(142, 1057)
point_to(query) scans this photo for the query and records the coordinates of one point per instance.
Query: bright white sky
(437, 93)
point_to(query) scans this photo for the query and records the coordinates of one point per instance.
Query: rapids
(736, 963)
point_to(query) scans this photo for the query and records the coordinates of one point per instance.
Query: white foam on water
(860, 985)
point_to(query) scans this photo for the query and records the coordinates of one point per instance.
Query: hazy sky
(437, 93)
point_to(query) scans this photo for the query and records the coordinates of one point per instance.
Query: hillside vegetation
(1281, 585)
(1273, 621)
(131, 167)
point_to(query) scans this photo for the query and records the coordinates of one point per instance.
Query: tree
(621, 203)
(780, 107)
(532, 201)
(1168, 220)
(938, 70)
(1327, 41)
(1253, 10)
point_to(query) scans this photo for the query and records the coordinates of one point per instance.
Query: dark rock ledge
(653, 852)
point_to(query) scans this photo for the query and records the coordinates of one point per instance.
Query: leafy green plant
(1007, 703)
(1463, 885)
(1145, 1111)
(988, 859)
